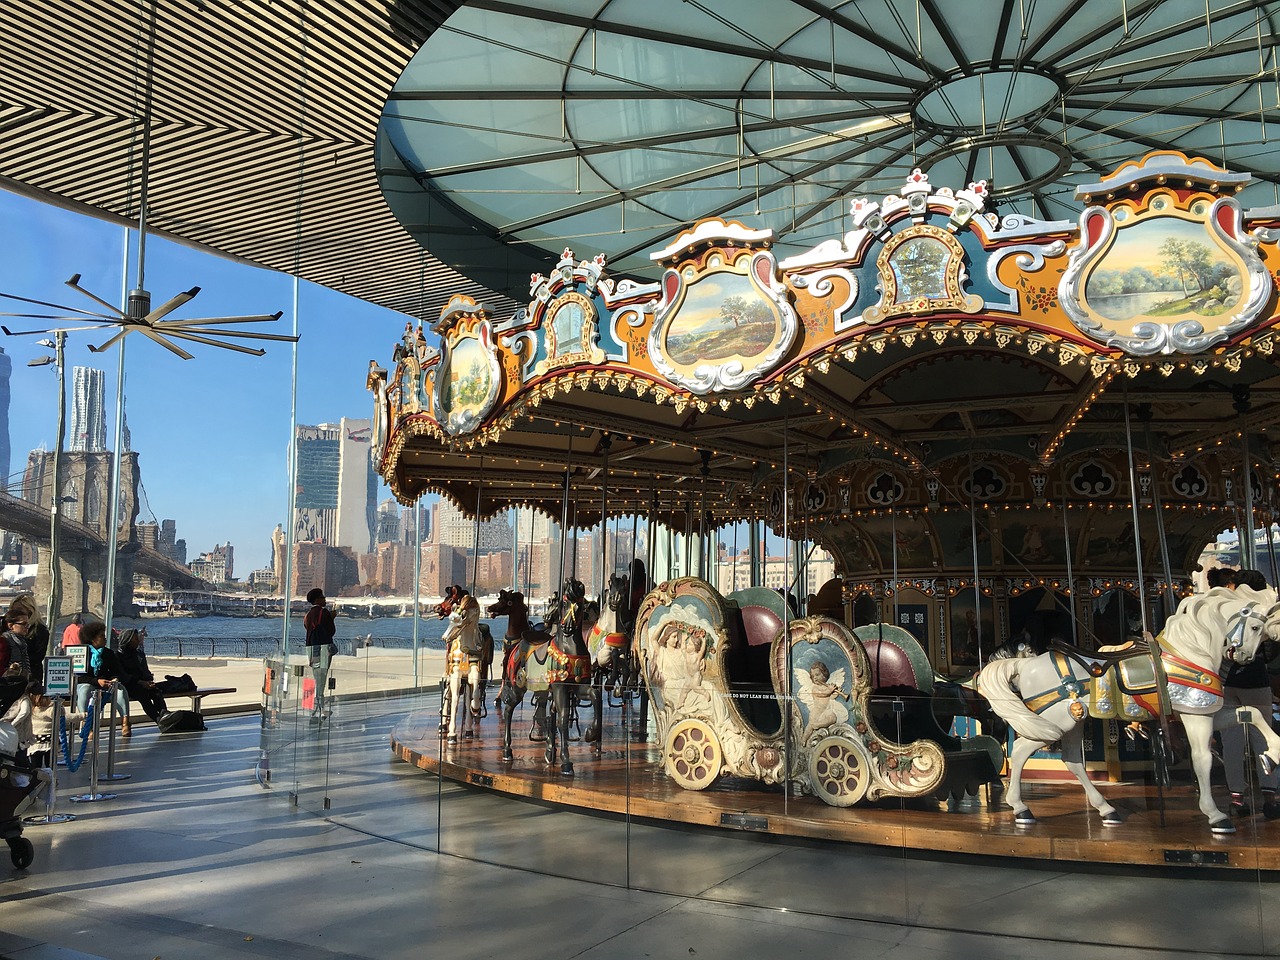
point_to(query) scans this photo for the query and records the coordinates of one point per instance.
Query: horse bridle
(1236, 627)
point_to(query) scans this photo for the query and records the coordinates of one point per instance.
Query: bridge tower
(86, 498)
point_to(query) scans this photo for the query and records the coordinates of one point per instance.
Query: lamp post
(58, 344)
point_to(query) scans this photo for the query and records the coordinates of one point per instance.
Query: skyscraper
(88, 418)
(337, 488)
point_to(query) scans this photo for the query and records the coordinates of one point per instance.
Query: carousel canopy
(827, 264)
(608, 126)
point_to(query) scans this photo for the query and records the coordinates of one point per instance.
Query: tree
(1187, 260)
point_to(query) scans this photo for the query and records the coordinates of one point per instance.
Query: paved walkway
(348, 853)
(371, 672)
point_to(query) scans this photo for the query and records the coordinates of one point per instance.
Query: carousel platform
(627, 780)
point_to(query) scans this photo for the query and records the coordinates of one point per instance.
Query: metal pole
(1171, 596)
(1137, 533)
(605, 443)
(515, 550)
(973, 530)
(528, 567)
(893, 535)
(475, 538)
(786, 581)
(564, 518)
(55, 501)
(285, 576)
(702, 518)
(113, 538)
(51, 795)
(417, 583)
(94, 795)
(1071, 583)
(113, 694)
(753, 552)
(1242, 405)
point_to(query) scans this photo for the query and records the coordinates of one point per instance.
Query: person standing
(1248, 685)
(16, 660)
(71, 634)
(320, 629)
(23, 607)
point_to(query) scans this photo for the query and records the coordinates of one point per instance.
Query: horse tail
(996, 683)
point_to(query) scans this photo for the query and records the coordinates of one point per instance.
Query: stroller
(18, 780)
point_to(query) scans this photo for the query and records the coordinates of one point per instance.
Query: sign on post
(79, 655)
(59, 673)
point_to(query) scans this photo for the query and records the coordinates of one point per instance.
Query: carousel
(1008, 432)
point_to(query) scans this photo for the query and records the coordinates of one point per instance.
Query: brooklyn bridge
(84, 532)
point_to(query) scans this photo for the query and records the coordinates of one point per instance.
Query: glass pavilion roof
(520, 129)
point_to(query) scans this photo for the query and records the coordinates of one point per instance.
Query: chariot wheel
(838, 773)
(692, 755)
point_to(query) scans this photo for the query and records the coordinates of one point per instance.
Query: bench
(198, 695)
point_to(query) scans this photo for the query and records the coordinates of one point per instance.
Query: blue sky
(212, 432)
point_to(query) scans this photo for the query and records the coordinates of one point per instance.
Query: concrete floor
(195, 859)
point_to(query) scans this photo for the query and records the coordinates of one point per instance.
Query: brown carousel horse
(559, 664)
(468, 660)
(511, 604)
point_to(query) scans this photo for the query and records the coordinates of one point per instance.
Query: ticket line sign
(58, 676)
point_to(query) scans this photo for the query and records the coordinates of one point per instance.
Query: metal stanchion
(51, 794)
(93, 795)
(112, 692)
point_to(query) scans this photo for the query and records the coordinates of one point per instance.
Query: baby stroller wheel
(21, 852)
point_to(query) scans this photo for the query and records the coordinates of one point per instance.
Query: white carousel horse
(466, 655)
(1043, 698)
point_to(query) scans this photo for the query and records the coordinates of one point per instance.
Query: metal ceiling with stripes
(264, 117)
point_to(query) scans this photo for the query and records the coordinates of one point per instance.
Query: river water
(260, 636)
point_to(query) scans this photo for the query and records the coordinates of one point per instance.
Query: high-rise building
(408, 524)
(388, 522)
(6, 370)
(216, 566)
(451, 527)
(337, 488)
(88, 417)
(533, 526)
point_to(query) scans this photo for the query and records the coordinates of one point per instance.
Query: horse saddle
(1116, 695)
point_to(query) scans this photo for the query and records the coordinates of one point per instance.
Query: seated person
(136, 677)
(103, 669)
(19, 716)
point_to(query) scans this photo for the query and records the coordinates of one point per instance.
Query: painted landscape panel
(723, 317)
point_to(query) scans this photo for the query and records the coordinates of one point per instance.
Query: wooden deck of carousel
(627, 779)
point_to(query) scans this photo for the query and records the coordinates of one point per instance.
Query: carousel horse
(556, 663)
(608, 643)
(1041, 696)
(511, 604)
(468, 655)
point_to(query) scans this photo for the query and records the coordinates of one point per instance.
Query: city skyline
(212, 433)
